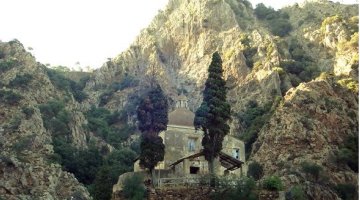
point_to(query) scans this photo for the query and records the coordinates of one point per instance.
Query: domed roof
(181, 117)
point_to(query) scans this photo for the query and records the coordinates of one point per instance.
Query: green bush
(232, 189)
(77, 92)
(115, 164)
(55, 117)
(7, 64)
(255, 170)
(273, 183)
(278, 21)
(249, 54)
(295, 193)
(347, 191)
(348, 153)
(107, 125)
(83, 163)
(133, 187)
(312, 169)
(9, 97)
(28, 111)
(280, 27)
(58, 79)
(23, 143)
(105, 97)
(21, 80)
(126, 82)
(14, 124)
(252, 120)
(262, 12)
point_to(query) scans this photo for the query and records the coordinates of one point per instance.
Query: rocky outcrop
(309, 126)
(26, 168)
(179, 44)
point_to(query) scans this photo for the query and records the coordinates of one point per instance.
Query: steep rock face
(179, 44)
(26, 171)
(310, 126)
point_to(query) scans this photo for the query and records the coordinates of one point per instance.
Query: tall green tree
(214, 112)
(152, 114)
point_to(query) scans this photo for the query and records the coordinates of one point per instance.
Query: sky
(83, 33)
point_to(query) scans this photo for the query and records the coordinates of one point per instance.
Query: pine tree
(214, 112)
(152, 114)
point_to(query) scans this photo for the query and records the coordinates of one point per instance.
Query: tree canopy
(152, 114)
(214, 112)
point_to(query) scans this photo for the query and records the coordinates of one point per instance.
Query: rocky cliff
(26, 171)
(293, 83)
(304, 79)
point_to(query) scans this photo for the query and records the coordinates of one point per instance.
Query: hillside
(292, 76)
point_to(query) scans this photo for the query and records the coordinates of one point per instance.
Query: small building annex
(183, 149)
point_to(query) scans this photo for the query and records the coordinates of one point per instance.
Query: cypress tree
(214, 112)
(152, 114)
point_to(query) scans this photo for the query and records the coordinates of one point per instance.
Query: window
(194, 170)
(236, 153)
(191, 144)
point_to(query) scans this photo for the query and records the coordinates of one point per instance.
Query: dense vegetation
(111, 127)
(21, 80)
(126, 82)
(58, 79)
(9, 97)
(277, 21)
(253, 118)
(348, 153)
(92, 166)
(233, 189)
(134, 188)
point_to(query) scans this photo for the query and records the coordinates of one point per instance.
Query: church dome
(181, 117)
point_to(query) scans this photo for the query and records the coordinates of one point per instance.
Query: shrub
(245, 189)
(278, 21)
(280, 27)
(347, 191)
(126, 82)
(60, 81)
(28, 111)
(103, 123)
(273, 183)
(262, 12)
(77, 92)
(249, 54)
(134, 188)
(14, 124)
(105, 98)
(295, 193)
(55, 117)
(312, 169)
(348, 153)
(7, 64)
(255, 170)
(21, 80)
(9, 97)
(231, 189)
(23, 143)
(252, 120)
